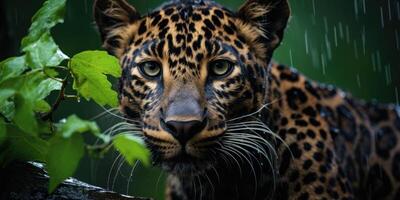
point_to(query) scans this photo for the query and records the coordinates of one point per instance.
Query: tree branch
(29, 181)
(61, 96)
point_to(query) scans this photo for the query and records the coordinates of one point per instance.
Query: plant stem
(61, 96)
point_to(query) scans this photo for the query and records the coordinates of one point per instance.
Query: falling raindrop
(382, 20)
(398, 10)
(328, 47)
(356, 8)
(363, 39)
(364, 7)
(378, 60)
(358, 80)
(326, 24)
(347, 35)
(341, 30)
(387, 74)
(396, 35)
(313, 5)
(390, 72)
(306, 41)
(335, 36)
(355, 49)
(373, 59)
(291, 57)
(396, 92)
(389, 10)
(323, 60)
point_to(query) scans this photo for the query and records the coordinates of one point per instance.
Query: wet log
(29, 180)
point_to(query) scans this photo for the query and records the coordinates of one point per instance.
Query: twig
(61, 96)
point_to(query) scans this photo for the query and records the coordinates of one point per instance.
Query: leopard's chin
(186, 165)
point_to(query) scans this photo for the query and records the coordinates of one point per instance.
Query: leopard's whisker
(259, 144)
(242, 140)
(266, 131)
(248, 143)
(120, 117)
(121, 163)
(252, 129)
(201, 187)
(118, 127)
(107, 111)
(158, 181)
(227, 153)
(112, 168)
(215, 170)
(212, 185)
(130, 176)
(235, 148)
(247, 140)
(253, 113)
(123, 130)
(194, 186)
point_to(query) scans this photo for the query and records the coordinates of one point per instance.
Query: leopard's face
(189, 70)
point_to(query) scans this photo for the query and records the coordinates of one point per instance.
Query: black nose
(183, 131)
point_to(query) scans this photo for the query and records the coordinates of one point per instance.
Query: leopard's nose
(183, 131)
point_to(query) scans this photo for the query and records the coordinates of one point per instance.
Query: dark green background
(349, 43)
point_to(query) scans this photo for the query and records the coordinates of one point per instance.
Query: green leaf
(26, 91)
(24, 116)
(2, 131)
(12, 67)
(67, 148)
(44, 52)
(25, 83)
(132, 148)
(63, 158)
(74, 124)
(7, 106)
(42, 106)
(89, 69)
(46, 87)
(51, 13)
(23, 146)
(39, 46)
(7, 109)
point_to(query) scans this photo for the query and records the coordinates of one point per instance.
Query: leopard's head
(191, 68)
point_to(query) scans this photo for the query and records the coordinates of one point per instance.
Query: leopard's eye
(220, 67)
(150, 69)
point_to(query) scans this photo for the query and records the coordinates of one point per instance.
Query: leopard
(227, 121)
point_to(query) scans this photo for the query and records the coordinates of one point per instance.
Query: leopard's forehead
(185, 35)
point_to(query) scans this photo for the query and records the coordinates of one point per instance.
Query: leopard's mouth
(189, 160)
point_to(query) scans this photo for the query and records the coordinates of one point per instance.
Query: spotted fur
(266, 131)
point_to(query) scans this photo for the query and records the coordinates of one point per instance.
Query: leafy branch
(60, 97)
(27, 129)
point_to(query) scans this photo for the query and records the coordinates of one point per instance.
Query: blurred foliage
(353, 44)
(28, 129)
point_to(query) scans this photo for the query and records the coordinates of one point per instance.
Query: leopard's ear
(269, 17)
(111, 17)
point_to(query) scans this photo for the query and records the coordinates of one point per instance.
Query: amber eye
(150, 69)
(220, 67)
